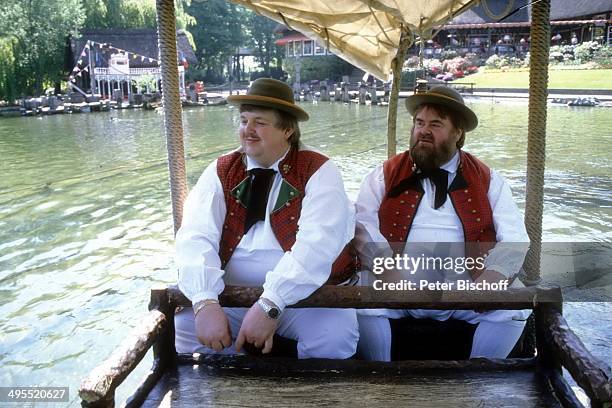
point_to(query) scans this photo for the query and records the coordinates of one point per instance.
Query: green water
(85, 223)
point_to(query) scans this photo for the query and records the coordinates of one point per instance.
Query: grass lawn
(557, 79)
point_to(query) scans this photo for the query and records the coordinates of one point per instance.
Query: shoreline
(555, 96)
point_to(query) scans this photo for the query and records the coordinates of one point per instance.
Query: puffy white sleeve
(197, 241)
(512, 240)
(326, 225)
(369, 241)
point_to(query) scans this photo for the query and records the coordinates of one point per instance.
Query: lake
(86, 230)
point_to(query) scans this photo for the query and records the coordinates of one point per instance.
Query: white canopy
(366, 33)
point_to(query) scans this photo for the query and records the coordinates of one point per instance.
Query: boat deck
(177, 380)
(251, 381)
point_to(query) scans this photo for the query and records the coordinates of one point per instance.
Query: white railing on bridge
(133, 72)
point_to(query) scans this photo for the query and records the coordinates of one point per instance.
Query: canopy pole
(398, 62)
(536, 143)
(173, 124)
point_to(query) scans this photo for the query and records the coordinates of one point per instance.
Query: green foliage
(219, 31)
(145, 82)
(34, 33)
(33, 38)
(497, 62)
(261, 38)
(130, 14)
(95, 14)
(603, 56)
(7, 68)
(584, 52)
(410, 76)
(319, 67)
(448, 54)
(494, 61)
(433, 66)
(411, 62)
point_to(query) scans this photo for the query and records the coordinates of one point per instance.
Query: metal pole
(173, 123)
(536, 144)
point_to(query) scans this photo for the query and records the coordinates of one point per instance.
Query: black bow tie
(257, 198)
(440, 179)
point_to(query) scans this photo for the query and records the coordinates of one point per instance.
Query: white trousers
(320, 333)
(495, 336)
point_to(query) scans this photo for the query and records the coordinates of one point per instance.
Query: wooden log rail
(98, 389)
(364, 297)
(564, 348)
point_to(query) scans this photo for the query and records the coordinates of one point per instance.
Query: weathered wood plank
(98, 389)
(591, 374)
(286, 366)
(562, 390)
(164, 347)
(152, 377)
(363, 297)
(207, 386)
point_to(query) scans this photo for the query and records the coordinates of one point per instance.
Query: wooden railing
(557, 345)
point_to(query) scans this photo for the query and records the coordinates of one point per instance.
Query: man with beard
(424, 200)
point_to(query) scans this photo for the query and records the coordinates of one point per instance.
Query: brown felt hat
(270, 93)
(443, 95)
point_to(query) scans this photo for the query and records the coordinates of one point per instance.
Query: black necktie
(440, 179)
(261, 181)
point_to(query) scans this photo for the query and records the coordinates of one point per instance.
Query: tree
(33, 40)
(10, 32)
(262, 39)
(217, 34)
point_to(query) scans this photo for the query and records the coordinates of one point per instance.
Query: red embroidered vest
(468, 196)
(296, 169)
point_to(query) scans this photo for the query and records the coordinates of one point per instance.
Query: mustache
(424, 138)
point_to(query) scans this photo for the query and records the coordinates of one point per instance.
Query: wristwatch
(269, 308)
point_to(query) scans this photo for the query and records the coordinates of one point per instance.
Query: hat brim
(269, 102)
(414, 101)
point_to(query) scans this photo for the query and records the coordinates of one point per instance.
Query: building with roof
(493, 26)
(105, 60)
(503, 27)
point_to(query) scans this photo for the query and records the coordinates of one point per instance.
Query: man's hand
(212, 328)
(257, 329)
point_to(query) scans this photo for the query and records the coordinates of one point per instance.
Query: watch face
(273, 313)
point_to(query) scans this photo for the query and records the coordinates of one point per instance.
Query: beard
(429, 157)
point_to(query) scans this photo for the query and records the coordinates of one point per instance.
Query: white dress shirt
(326, 225)
(443, 224)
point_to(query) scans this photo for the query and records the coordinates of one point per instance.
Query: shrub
(318, 67)
(515, 62)
(411, 62)
(433, 66)
(448, 77)
(584, 52)
(410, 76)
(448, 54)
(495, 61)
(473, 59)
(455, 65)
(603, 56)
(526, 60)
(471, 69)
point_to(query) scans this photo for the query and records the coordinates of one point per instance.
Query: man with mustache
(272, 213)
(436, 199)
